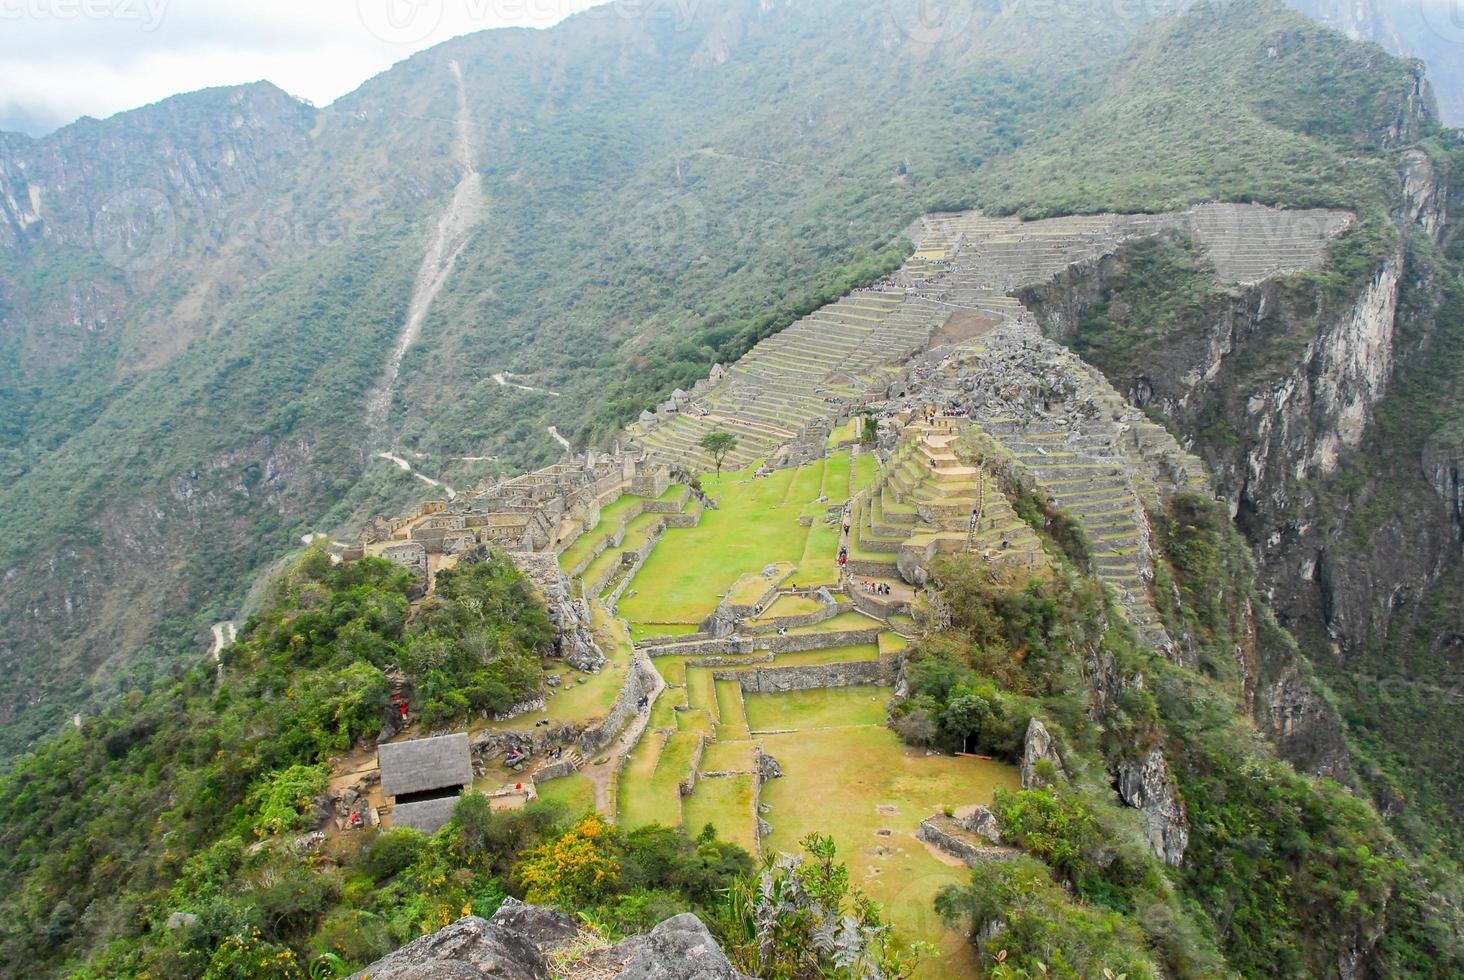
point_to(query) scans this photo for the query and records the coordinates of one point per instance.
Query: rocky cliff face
(1356, 524)
(182, 161)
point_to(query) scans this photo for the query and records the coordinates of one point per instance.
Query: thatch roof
(428, 816)
(425, 764)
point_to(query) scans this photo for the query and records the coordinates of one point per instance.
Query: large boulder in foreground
(511, 946)
(680, 948)
(469, 949)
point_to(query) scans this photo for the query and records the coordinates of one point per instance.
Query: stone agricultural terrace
(724, 667)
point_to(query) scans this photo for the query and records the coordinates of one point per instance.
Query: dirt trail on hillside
(454, 230)
(553, 431)
(407, 467)
(502, 379)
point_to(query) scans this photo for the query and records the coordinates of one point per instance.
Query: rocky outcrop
(512, 946)
(545, 928)
(574, 641)
(983, 823)
(680, 948)
(469, 949)
(1145, 784)
(1038, 748)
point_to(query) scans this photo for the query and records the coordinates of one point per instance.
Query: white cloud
(61, 59)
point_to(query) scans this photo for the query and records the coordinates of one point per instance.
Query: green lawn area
(699, 686)
(644, 631)
(818, 708)
(818, 569)
(575, 792)
(843, 433)
(892, 643)
(843, 621)
(663, 712)
(754, 525)
(750, 587)
(733, 720)
(864, 471)
(611, 517)
(726, 803)
(828, 655)
(729, 756)
(636, 534)
(637, 805)
(695, 720)
(864, 768)
(792, 605)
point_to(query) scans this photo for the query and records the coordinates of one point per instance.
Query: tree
(717, 445)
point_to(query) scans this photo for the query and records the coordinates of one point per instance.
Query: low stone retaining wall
(791, 643)
(868, 602)
(651, 642)
(793, 622)
(688, 785)
(554, 770)
(638, 559)
(638, 681)
(941, 832)
(871, 568)
(804, 677)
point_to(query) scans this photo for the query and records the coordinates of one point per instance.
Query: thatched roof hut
(423, 765)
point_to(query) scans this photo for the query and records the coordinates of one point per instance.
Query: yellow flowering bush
(573, 869)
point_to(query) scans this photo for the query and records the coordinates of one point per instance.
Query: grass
(611, 517)
(700, 688)
(750, 587)
(725, 802)
(738, 755)
(828, 655)
(732, 716)
(792, 605)
(754, 525)
(663, 712)
(847, 432)
(574, 792)
(864, 472)
(695, 720)
(839, 623)
(892, 643)
(644, 631)
(867, 767)
(818, 708)
(637, 805)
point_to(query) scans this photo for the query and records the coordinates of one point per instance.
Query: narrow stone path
(553, 431)
(603, 774)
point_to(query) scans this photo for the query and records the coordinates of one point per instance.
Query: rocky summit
(744, 489)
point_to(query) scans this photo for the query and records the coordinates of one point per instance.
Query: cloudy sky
(60, 59)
